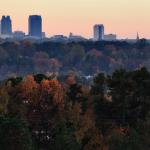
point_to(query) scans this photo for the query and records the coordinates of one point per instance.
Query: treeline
(40, 112)
(87, 58)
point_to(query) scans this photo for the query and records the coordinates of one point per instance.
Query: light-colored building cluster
(99, 34)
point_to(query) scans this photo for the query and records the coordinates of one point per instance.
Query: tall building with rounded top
(98, 32)
(35, 26)
(6, 25)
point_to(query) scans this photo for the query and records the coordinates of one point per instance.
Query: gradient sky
(123, 17)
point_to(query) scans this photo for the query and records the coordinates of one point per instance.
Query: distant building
(71, 38)
(98, 32)
(58, 38)
(6, 25)
(43, 35)
(18, 34)
(110, 37)
(76, 38)
(35, 26)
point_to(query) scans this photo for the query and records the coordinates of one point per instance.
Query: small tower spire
(138, 38)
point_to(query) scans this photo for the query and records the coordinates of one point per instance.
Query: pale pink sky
(123, 17)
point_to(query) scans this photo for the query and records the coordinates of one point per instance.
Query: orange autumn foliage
(29, 83)
(54, 88)
(45, 83)
(28, 88)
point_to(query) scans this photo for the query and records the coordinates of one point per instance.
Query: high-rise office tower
(98, 32)
(6, 25)
(35, 26)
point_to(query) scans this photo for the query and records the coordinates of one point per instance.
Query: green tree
(65, 140)
(14, 134)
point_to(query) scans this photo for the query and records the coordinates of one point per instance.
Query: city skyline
(35, 30)
(61, 17)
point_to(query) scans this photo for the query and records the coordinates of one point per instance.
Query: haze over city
(124, 17)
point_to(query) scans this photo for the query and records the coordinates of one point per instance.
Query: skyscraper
(6, 25)
(35, 26)
(98, 32)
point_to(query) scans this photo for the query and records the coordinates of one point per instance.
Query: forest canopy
(20, 58)
(41, 112)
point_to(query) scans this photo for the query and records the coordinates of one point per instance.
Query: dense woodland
(19, 58)
(41, 112)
